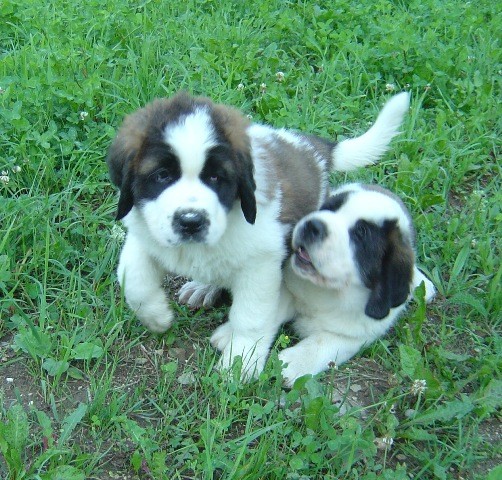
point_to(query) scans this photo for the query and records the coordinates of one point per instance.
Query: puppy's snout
(190, 223)
(313, 230)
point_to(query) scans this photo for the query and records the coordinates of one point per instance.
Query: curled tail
(369, 147)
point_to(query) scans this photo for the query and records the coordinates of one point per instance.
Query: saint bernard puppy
(208, 195)
(350, 276)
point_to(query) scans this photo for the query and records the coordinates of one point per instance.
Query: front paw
(196, 295)
(295, 365)
(253, 355)
(222, 336)
(156, 316)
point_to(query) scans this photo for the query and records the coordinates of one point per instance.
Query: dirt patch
(491, 432)
(360, 383)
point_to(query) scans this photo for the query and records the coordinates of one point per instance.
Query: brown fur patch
(402, 249)
(129, 139)
(324, 147)
(234, 125)
(298, 177)
(400, 266)
(147, 166)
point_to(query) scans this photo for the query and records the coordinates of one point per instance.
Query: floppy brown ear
(123, 151)
(392, 288)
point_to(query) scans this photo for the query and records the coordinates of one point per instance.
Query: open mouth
(303, 264)
(303, 257)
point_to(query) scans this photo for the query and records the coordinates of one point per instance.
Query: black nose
(190, 223)
(312, 230)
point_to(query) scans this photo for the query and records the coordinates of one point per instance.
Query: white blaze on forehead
(190, 139)
(374, 207)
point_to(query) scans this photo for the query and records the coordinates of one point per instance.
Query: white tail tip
(369, 147)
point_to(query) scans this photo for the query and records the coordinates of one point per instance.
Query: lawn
(87, 393)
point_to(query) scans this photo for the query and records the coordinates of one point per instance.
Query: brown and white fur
(207, 195)
(352, 271)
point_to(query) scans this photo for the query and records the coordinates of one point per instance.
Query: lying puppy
(206, 195)
(351, 274)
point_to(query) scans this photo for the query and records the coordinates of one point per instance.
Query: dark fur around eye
(165, 170)
(219, 174)
(212, 178)
(218, 167)
(162, 176)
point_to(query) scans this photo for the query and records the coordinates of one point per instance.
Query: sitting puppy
(350, 276)
(206, 194)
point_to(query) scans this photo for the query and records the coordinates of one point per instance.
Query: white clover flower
(117, 233)
(2, 91)
(240, 87)
(390, 87)
(418, 387)
(16, 169)
(83, 115)
(383, 443)
(388, 440)
(279, 76)
(263, 88)
(4, 178)
(9, 380)
(474, 243)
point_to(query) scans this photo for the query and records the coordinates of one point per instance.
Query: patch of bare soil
(491, 433)
(16, 382)
(20, 384)
(361, 383)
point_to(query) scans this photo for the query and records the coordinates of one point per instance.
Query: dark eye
(212, 178)
(162, 175)
(361, 229)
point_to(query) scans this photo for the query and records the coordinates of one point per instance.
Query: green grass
(86, 392)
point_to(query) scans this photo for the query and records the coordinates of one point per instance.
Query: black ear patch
(119, 166)
(126, 199)
(385, 260)
(247, 188)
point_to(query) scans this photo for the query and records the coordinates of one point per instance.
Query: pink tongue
(304, 255)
